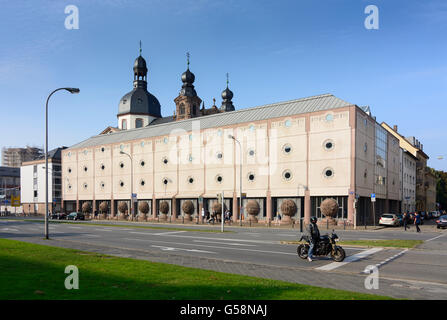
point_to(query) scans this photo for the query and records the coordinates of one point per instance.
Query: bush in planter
(144, 209)
(122, 208)
(86, 208)
(188, 209)
(103, 207)
(164, 209)
(288, 209)
(329, 208)
(253, 209)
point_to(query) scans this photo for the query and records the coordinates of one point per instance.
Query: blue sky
(273, 50)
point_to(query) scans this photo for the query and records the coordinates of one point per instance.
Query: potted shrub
(103, 209)
(164, 209)
(87, 209)
(122, 208)
(253, 209)
(144, 210)
(288, 209)
(329, 208)
(188, 209)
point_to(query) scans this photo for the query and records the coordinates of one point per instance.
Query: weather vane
(140, 47)
(228, 81)
(187, 59)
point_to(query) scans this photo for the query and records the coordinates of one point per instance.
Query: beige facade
(305, 157)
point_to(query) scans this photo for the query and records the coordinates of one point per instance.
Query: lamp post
(131, 184)
(71, 90)
(240, 184)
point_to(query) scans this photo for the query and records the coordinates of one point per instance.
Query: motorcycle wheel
(302, 251)
(339, 255)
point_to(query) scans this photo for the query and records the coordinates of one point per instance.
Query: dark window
(138, 123)
(35, 193)
(182, 109)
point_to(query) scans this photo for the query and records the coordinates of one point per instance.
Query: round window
(102, 149)
(251, 176)
(142, 163)
(69, 170)
(328, 173)
(251, 152)
(190, 180)
(121, 165)
(165, 160)
(85, 186)
(287, 149)
(121, 184)
(69, 186)
(287, 175)
(328, 144)
(219, 155)
(102, 185)
(142, 183)
(219, 179)
(165, 181)
(85, 169)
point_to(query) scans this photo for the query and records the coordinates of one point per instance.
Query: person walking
(405, 220)
(417, 221)
(203, 214)
(314, 237)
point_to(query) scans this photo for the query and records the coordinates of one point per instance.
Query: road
(416, 274)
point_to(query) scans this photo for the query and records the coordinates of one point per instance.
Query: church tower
(187, 103)
(138, 108)
(227, 95)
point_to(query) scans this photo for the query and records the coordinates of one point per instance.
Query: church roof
(270, 111)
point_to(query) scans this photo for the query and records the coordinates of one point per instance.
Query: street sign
(134, 197)
(373, 197)
(244, 195)
(15, 201)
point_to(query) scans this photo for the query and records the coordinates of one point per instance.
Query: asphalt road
(422, 271)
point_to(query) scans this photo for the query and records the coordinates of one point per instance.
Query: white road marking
(387, 260)
(435, 237)
(9, 229)
(174, 249)
(74, 227)
(227, 248)
(355, 257)
(167, 233)
(230, 244)
(208, 238)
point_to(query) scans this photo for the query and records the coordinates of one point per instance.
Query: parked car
(436, 214)
(76, 216)
(389, 219)
(58, 215)
(441, 222)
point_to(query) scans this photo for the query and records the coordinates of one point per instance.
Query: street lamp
(71, 90)
(131, 184)
(240, 184)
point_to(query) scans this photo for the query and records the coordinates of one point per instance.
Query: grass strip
(32, 271)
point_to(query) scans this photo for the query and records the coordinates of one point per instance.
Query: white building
(408, 181)
(32, 182)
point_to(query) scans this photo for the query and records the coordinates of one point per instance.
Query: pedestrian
(203, 214)
(417, 221)
(405, 220)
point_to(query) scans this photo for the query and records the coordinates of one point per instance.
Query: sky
(273, 51)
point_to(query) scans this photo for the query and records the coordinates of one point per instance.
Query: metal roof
(274, 110)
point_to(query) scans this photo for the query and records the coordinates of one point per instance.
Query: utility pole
(222, 216)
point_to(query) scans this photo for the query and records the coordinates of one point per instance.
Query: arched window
(138, 123)
(124, 124)
(182, 109)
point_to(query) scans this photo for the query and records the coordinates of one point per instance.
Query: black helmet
(313, 220)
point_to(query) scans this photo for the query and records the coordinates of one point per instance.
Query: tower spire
(228, 81)
(140, 47)
(187, 59)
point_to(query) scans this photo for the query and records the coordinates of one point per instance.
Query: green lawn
(406, 244)
(30, 271)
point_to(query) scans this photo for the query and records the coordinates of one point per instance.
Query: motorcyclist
(314, 237)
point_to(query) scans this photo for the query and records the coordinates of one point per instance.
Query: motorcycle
(326, 245)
